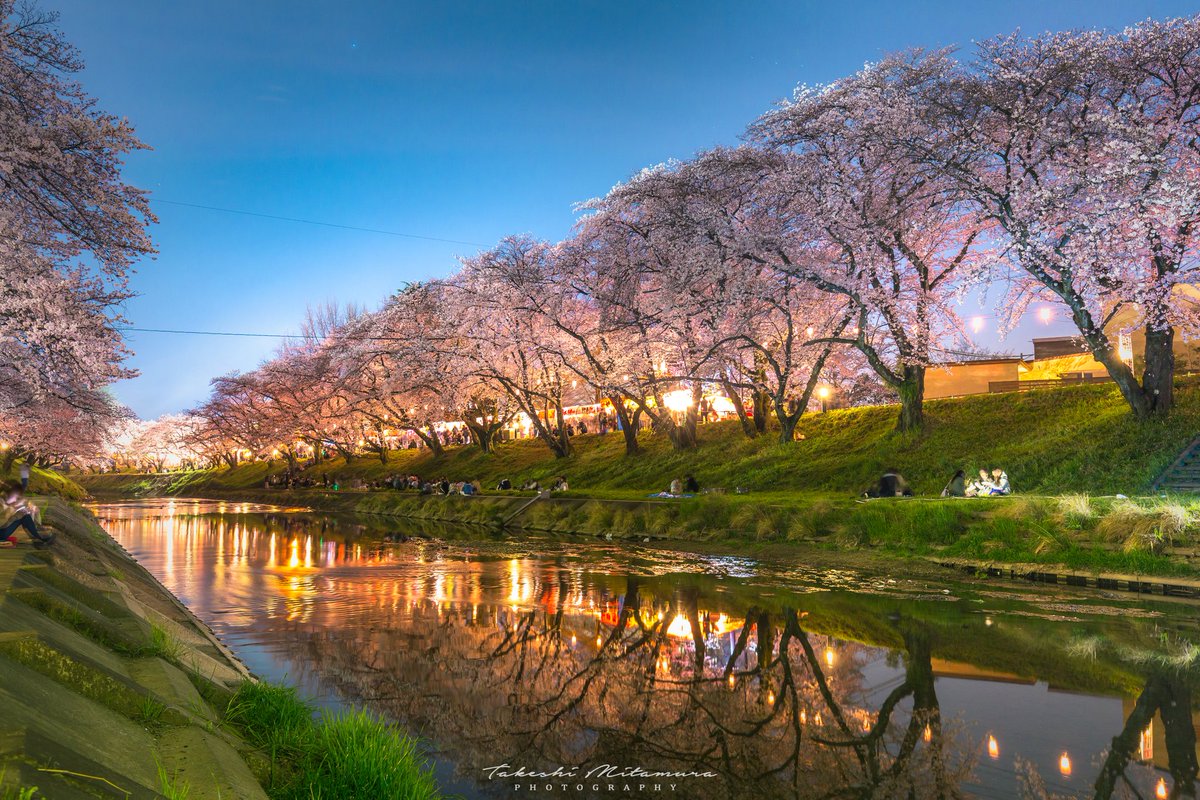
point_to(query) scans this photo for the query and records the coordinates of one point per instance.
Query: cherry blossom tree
(761, 329)
(70, 228)
(505, 345)
(857, 216)
(403, 377)
(58, 431)
(1081, 149)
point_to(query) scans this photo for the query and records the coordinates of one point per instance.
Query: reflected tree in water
(772, 711)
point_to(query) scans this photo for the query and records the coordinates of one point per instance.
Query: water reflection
(544, 655)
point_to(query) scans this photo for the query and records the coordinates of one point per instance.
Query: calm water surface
(757, 679)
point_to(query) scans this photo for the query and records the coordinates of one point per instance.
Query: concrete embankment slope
(109, 686)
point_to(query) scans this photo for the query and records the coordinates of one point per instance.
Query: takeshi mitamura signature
(607, 771)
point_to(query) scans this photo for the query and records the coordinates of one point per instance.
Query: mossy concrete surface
(109, 683)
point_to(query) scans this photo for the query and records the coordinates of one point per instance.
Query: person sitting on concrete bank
(957, 487)
(891, 484)
(17, 512)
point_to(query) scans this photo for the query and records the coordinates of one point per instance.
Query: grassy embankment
(44, 481)
(1067, 451)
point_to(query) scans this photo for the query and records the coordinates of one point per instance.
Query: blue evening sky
(457, 120)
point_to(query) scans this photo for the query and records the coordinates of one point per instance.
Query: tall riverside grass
(352, 754)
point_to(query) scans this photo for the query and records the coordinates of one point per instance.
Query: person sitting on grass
(981, 487)
(531, 485)
(690, 484)
(504, 485)
(468, 488)
(1000, 484)
(444, 485)
(559, 485)
(17, 512)
(891, 484)
(957, 487)
(676, 487)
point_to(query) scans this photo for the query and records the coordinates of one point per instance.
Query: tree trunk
(484, 436)
(761, 399)
(431, 441)
(912, 398)
(1121, 374)
(626, 420)
(1158, 378)
(1125, 743)
(682, 437)
(1180, 735)
(740, 408)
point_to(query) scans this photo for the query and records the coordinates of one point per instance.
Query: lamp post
(823, 393)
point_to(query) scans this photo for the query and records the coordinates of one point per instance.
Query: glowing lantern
(679, 400)
(993, 747)
(722, 404)
(829, 657)
(1064, 764)
(927, 735)
(1160, 790)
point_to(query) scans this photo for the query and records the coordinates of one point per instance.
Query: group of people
(993, 484)
(557, 484)
(686, 485)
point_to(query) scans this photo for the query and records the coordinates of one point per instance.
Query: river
(604, 662)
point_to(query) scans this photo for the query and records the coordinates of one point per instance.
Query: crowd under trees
(835, 245)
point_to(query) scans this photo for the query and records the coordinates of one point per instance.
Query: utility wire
(247, 334)
(316, 222)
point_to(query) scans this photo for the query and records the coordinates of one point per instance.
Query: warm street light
(823, 392)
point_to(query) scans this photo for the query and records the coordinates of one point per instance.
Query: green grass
(1066, 451)
(44, 481)
(1074, 439)
(352, 754)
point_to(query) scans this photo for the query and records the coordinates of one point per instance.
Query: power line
(218, 333)
(252, 335)
(317, 222)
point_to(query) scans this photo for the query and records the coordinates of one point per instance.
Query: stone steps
(1184, 473)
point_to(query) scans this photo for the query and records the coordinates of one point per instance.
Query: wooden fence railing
(1023, 386)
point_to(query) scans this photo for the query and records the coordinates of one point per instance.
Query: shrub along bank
(1062, 449)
